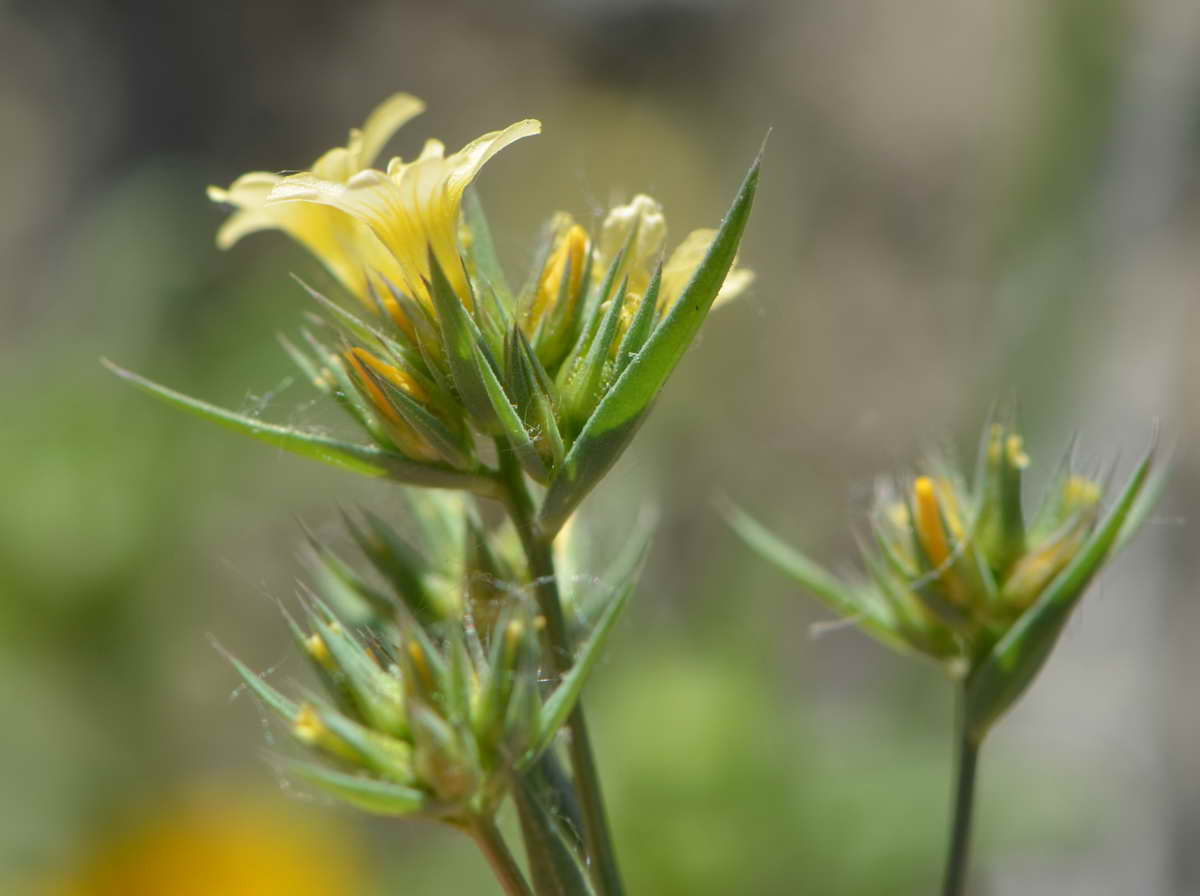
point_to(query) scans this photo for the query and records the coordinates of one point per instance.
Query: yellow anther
(929, 522)
(1014, 450)
(539, 623)
(421, 665)
(1079, 493)
(307, 725)
(318, 649)
(513, 634)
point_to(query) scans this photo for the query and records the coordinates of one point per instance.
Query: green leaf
(554, 861)
(562, 700)
(835, 594)
(624, 406)
(1013, 663)
(369, 794)
(365, 459)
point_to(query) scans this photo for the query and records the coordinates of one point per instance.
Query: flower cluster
(433, 699)
(447, 350)
(958, 571)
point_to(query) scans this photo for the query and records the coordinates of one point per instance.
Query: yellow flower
(413, 208)
(346, 247)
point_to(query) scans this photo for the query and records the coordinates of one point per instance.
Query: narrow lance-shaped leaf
(554, 862)
(624, 405)
(562, 700)
(1018, 657)
(369, 794)
(286, 708)
(365, 459)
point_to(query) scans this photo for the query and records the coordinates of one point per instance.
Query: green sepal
(378, 696)
(384, 755)
(590, 373)
(367, 460)
(398, 562)
(539, 414)
(355, 600)
(368, 794)
(361, 330)
(283, 706)
(306, 365)
(454, 447)
(562, 699)
(481, 252)
(624, 405)
(642, 324)
(1015, 660)
(462, 340)
(509, 420)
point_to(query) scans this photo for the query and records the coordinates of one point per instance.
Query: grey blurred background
(963, 201)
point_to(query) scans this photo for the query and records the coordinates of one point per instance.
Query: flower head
(960, 574)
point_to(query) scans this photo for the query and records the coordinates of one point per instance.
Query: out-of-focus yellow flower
(413, 208)
(642, 220)
(222, 847)
(346, 246)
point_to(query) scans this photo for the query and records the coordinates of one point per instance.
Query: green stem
(596, 837)
(492, 844)
(964, 800)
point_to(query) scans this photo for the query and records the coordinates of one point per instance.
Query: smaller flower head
(959, 573)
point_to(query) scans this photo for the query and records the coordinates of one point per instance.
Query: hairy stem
(492, 844)
(955, 881)
(596, 836)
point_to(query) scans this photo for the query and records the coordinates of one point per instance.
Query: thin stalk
(955, 881)
(491, 844)
(597, 839)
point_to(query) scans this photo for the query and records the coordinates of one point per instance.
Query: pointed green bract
(365, 459)
(564, 697)
(620, 412)
(369, 794)
(482, 249)
(509, 420)
(461, 339)
(1017, 658)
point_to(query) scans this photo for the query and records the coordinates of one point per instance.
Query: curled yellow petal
(413, 208)
(346, 247)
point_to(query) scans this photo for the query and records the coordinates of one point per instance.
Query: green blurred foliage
(936, 229)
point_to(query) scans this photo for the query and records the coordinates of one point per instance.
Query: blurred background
(962, 202)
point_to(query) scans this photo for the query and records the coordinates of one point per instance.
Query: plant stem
(596, 837)
(964, 800)
(492, 844)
